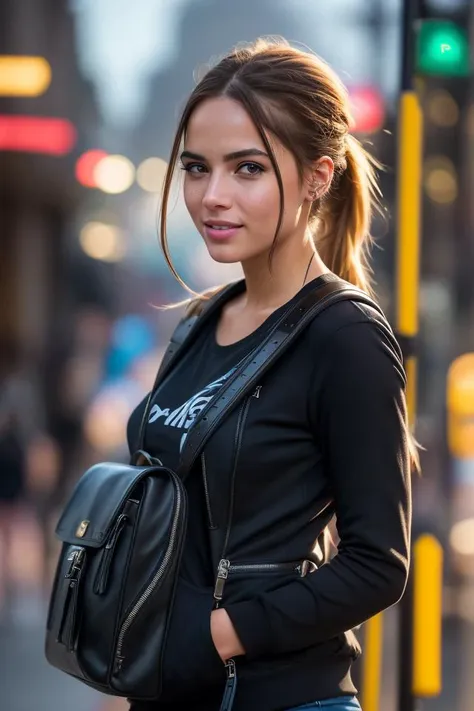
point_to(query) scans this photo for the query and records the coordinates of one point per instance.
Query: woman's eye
(250, 169)
(195, 168)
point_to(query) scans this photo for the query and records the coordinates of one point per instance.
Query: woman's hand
(224, 635)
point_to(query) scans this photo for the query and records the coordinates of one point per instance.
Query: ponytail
(345, 217)
(346, 214)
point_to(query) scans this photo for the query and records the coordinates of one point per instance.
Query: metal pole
(406, 700)
(407, 288)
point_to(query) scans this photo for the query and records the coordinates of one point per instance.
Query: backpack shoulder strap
(182, 337)
(245, 377)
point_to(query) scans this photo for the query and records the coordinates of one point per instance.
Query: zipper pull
(230, 666)
(116, 531)
(222, 574)
(230, 687)
(76, 559)
(118, 664)
(257, 391)
(102, 576)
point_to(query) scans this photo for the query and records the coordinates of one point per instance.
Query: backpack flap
(94, 507)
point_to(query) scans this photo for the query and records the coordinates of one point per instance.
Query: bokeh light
(24, 76)
(151, 174)
(462, 537)
(102, 241)
(367, 108)
(106, 418)
(114, 174)
(442, 109)
(85, 167)
(440, 180)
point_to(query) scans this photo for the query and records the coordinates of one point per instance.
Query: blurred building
(41, 135)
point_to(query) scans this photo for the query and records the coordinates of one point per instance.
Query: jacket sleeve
(358, 413)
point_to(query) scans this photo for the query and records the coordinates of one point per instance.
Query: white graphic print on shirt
(184, 415)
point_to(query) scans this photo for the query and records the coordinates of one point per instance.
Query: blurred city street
(27, 681)
(90, 94)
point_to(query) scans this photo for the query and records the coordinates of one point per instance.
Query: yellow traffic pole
(427, 615)
(408, 243)
(372, 663)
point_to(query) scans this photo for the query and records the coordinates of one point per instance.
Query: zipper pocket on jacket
(210, 520)
(103, 571)
(226, 568)
(151, 587)
(223, 569)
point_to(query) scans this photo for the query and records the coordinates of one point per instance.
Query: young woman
(273, 179)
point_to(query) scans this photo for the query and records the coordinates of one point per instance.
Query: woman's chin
(225, 254)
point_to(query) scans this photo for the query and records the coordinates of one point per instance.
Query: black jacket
(323, 435)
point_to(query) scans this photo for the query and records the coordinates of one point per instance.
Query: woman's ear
(318, 178)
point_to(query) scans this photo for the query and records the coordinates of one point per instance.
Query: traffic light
(442, 49)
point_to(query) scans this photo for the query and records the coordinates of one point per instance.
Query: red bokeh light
(37, 134)
(368, 109)
(85, 166)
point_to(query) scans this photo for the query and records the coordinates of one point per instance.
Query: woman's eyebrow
(245, 153)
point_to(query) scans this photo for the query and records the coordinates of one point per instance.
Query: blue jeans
(342, 703)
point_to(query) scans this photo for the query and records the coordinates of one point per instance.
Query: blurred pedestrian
(12, 488)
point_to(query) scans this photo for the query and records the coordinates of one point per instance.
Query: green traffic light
(442, 49)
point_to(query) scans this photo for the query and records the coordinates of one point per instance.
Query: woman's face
(230, 187)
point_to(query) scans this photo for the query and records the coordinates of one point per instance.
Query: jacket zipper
(256, 394)
(206, 492)
(152, 585)
(224, 565)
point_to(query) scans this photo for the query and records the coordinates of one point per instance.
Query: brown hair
(298, 98)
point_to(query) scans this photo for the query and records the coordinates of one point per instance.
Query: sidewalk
(27, 681)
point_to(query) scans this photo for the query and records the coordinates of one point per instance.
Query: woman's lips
(221, 232)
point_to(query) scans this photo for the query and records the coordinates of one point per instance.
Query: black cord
(307, 270)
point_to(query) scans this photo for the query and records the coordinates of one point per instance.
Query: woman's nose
(217, 195)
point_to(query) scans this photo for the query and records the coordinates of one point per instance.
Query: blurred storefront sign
(37, 134)
(24, 76)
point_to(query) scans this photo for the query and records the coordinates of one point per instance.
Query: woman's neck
(267, 291)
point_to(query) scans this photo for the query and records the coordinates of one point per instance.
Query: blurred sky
(123, 42)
